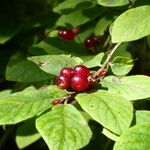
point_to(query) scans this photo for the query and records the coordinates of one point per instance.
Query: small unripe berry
(81, 70)
(66, 34)
(76, 29)
(68, 72)
(56, 102)
(79, 83)
(63, 82)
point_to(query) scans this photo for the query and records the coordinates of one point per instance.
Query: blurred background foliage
(27, 29)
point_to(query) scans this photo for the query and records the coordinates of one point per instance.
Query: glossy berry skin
(66, 34)
(68, 72)
(63, 82)
(90, 42)
(81, 70)
(79, 83)
(56, 102)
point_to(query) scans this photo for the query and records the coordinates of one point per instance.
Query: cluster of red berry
(67, 34)
(76, 78)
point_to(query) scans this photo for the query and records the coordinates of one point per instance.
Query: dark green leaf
(25, 71)
(26, 134)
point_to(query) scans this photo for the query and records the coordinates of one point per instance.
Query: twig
(105, 64)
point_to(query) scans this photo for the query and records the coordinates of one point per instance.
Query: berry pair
(76, 78)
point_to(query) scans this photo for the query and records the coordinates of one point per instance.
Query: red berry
(79, 83)
(63, 82)
(81, 70)
(56, 102)
(92, 41)
(68, 72)
(66, 34)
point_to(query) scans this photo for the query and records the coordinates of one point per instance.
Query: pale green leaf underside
(136, 138)
(20, 106)
(121, 66)
(64, 128)
(95, 61)
(110, 110)
(131, 25)
(26, 134)
(113, 3)
(110, 135)
(131, 87)
(52, 64)
(142, 116)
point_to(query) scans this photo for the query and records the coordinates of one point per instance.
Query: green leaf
(5, 92)
(131, 25)
(95, 61)
(54, 63)
(50, 46)
(130, 87)
(67, 5)
(148, 40)
(25, 71)
(110, 134)
(26, 134)
(79, 17)
(7, 28)
(136, 138)
(111, 110)
(64, 128)
(113, 3)
(102, 25)
(142, 116)
(122, 51)
(20, 106)
(121, 66)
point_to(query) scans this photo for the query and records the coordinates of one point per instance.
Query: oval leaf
(25, 71)
(131, 25)
(26, 134)
(113, 3)
(48, 63)
(20, 106)
(131, 87)
(136, 138)
(64, 128)
(110, 110)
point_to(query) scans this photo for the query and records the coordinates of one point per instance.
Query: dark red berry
(90, 42)
(79, 83)
(68, 72)
(63, 82)
(81, 70)
(56, 102)
(66, 34)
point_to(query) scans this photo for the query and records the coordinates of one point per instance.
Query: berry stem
(105, 64)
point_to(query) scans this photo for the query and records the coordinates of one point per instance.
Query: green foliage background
(31, 56)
